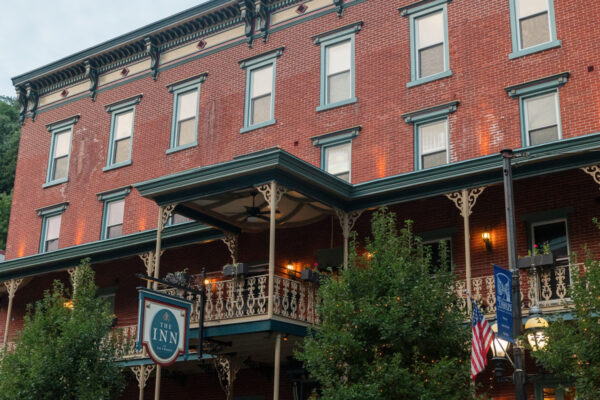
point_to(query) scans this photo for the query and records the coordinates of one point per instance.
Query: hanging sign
(504, 303)
(163, 326)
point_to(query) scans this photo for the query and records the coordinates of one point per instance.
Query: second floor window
(541, 118)
(185, 128)
(433, 143)
(534, 23)
(337, 160)
(51, 233)
(114, 211)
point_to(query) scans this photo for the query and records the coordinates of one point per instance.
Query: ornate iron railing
(553, 284)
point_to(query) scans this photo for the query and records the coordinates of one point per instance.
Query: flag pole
(519, 375)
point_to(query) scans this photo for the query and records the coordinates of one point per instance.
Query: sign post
(163, 326)
(504, 303)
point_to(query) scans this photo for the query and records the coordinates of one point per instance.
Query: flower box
(239, 269)
(539, 260)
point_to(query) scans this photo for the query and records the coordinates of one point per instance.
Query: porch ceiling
(223, 191)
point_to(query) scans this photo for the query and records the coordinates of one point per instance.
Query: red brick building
(324, 109)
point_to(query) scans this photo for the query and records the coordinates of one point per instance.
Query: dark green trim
(269, 325)
(113, 194)
(338, 32)
(538, 85)
(547, 215)
(107, 250)
(337, 136)
(125, 103)
(260, 58)
(187, 82)
(62, 124)
(51, 210)
(420, 6)
(149, 361)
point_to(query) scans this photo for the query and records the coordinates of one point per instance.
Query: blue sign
(504, 303)
(163, 326)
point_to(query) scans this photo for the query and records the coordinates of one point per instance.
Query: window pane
(114, 231)
(535, 30)
(179, 219)
(433, 137)
(115, 212)
(430, 30)
(123, 125)
(121, 151)
(431, 61)
(60, 168)
(554, 234)
(187, 105)
(338, 57)
(338, 159)
(186, 133)
(61, 144)
(543, 135)
(549, 394)
(530, 7)
(51, 245)
(262, 81)
(52, 227)
(261, 109)
(541, 111)
(338, 87)
(434, 159)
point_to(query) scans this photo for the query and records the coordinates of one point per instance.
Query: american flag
(482, 339)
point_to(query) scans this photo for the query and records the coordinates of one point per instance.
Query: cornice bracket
(247, 15)
(22, 99)
(91, 73)
(154, 53)
(262, 16)
(339, 7)
(32, 99)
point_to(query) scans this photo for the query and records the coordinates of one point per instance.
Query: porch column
(142, 373)
(347, 221)
(164, 212)
(231, 241)
(465, 201)
(276, 367)
(272, 194)
(227, 369)
(72, 276)
(11, 288)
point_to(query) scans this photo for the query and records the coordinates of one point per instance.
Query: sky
(38, 32)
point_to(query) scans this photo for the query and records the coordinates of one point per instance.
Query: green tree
(5, 200)
(64, 353)
(572, 352)
(388, 328)
(9, 142)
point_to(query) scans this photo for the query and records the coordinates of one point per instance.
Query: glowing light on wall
(80, 231)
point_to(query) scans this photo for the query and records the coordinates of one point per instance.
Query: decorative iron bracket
(465, 200)
(231, 241)
(265, 190)
(347, 221)
(91, 73)
(12, 286)
(227, 370)
(149, 259)
(593, 171)
(142, 373)
(72, 278)
(32, 100)
(164, 215)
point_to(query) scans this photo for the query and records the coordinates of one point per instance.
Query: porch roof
(295, 174)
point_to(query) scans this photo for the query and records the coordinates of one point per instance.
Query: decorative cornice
(420, 6)
(53, 126)
(341, 31)
(114, 193)
(336, 136)
(192, 80)
(91, 73)
(130, 101)
(52, 210)
(154, 53)
(548, 82)
(430, 112)
(260, 57)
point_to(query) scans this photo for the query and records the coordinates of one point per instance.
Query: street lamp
(499, 354)
(535, 329)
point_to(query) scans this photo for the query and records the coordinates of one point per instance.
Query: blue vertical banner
(504, 303)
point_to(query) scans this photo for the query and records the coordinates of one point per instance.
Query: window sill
(184, 147)
(324, 107)
(430, 78)
(115, 166)
(534, 49)
(258, 126)
(54, 183)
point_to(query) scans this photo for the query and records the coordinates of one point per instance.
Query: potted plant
(539, 258)
(237, 269)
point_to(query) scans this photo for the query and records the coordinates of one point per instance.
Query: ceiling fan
(254, 214)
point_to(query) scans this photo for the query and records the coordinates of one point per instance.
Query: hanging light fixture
(499, 352)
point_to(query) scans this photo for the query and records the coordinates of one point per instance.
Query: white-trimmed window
(176, 219)
(433, 143)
